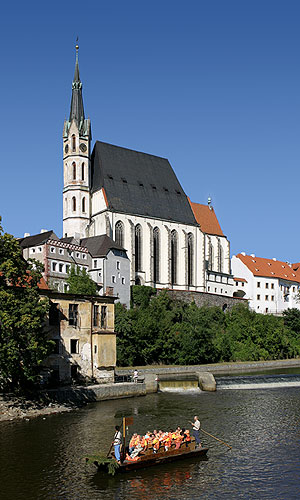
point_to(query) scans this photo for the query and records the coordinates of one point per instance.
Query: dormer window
(124, 180)
(73, 143)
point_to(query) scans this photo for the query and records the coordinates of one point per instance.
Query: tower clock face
(66, 148)
(83, 147)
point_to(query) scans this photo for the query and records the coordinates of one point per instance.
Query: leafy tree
(23, 341)
(79, 282)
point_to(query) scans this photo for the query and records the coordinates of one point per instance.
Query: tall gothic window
(210, 257)
(73, 142)
(74, 204)
(119, 233)
(82, 172)
(220, 258)
(138, 248)
(190, 258)
(83, 204)
(156, 255)
(74, 170)
(174, 252)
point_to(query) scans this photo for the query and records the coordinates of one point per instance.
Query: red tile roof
(42, 283)
(240, 279)
(270, 268)
(206, 218)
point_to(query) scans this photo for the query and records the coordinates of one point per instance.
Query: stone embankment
(13, 407)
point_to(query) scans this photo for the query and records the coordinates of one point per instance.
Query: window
(208, 288)
(74, 204)
(84, 256)
(74, 170)
(74, 346)
(174, 252)
(52, 250)
(78, 255)
(190, 258)
(215, 290)
(118, 264)
(61, 251)
(267, 285)
(266, 297)
(53, 314)
(67, 268)
(210, 256)
(123, 281)
(83, 204)
(243, 283)
(40, 249)
(258, 284)
(82, 172)
(267, 309)
(60, 267)
(138, 248)
(220, 258)
(95, 349)
(236, 283)
(95, 264)
(272, 286)
(73, 142)
(53, 266)
(73, 314)
(119, 233)
(113, 279)
(33, 250)
(257, 297)
(156, 254)
(293, 288)
(66, 287)
(103, 316)
(96, 315)
(100, 274)
(272, 298)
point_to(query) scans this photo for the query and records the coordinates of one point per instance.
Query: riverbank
(14, 408)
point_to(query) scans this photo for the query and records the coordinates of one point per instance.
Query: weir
(257, 382)
(178, 386)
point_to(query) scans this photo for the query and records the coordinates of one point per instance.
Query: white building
(136, 199)
(271, 286)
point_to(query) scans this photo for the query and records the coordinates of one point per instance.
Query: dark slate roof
(69, 239)
(37, 239)
(99, 246)
(139, 184)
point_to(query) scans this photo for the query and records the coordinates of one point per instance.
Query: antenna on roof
(209, 203)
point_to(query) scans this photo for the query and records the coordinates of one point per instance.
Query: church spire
(77, 110)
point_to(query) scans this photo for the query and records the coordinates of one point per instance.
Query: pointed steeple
(77, 110)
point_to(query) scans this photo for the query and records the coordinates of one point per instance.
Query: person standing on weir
(196, 431)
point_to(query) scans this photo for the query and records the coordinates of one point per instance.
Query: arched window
(190, 258)
(66, 205)
(220, 258)
(138, 248)
(174, 252)
(74, 170)
(156, 255)
(73, 142)
(119, 233)
(210, 257)
(82, 172)
(74, 204)
(83, 204)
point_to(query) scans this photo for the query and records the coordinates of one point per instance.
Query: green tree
(80, 283)
(23, 341)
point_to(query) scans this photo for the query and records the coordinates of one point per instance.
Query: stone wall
(206, 299)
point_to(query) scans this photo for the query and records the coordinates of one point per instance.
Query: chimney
(252, 255)
(43, 231)
(26, 235)
(243, 253)
(274, 258)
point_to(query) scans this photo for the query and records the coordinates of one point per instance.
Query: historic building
(271, 286)
(136, 199)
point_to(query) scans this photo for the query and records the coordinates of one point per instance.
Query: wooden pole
(223, 442)
(124, 438)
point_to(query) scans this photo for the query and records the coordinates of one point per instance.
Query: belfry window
(119, 233)
(220, 258)
(138, 248)
(210, 256)
(156, 255)
(174, 252)
(190, 258)
(74, 204)
(74, 170)
(82, 172)
(73, 143)
(83, 204)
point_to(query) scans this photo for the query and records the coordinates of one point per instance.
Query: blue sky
(214, 86)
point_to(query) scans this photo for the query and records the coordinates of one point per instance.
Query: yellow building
(85, 341)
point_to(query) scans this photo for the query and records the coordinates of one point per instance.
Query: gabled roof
(270, 268)
(99, 246)
(206, 218)
(37, 239)
(139, 184)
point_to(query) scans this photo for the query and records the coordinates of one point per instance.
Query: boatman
(196, 431)
(117, 443)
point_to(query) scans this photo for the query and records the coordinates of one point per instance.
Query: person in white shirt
(117, 443)
(196, 431)
(135, 376)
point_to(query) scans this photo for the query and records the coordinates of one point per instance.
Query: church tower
(76, 160)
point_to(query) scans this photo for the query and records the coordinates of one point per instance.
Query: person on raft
(196, 431)
(157, 441)
(117, 443)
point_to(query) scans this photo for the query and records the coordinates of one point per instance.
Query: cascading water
(257, 382)
(179, 386)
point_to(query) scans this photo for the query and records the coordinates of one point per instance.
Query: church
(136, 199)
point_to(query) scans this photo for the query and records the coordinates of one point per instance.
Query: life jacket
(187, 436)
(155, 443)
(132, 442)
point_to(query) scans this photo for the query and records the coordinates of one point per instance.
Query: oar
(112, 443)
(216, 438)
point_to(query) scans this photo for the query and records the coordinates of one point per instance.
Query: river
(42, 458)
